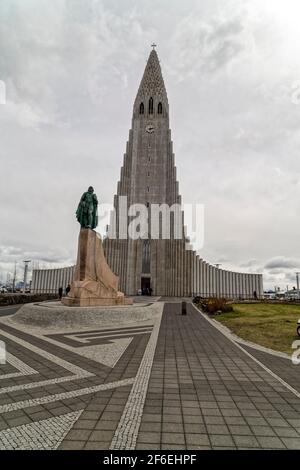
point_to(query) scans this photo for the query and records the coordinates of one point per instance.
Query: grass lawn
(271, 325)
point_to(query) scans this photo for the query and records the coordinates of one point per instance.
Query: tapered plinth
(94, 283)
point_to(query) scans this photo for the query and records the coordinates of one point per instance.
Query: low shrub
(227, 308)
(13, 299)
(213, 305)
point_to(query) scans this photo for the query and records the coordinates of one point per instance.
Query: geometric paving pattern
(179, 383)
(45, 434)
(46, 386)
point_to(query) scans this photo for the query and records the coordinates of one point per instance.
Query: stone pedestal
(94, 283)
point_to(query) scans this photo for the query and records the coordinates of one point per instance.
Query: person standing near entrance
(60, 293)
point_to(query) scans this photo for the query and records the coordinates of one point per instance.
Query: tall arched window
(159, 108)
(142, 108)
(146, 257)
(151, 106)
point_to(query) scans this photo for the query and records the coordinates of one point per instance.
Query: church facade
(169, 267)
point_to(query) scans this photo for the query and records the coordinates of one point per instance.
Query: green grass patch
(271, 325)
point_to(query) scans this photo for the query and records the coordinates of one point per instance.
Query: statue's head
(91, 189)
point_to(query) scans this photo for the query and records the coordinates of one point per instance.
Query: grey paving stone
(149, 437)
(217, 429)
(221, 441)
(173, 447)
(256, 421)
(214, 412)
(191, 411)
(152, 418)
(192, 447)
(101, 435)
(110, 416)
(85, 424)
(106, 425)
(197, 440)
(214, 420)
(79, 434)
(96, 445)
(151, 427)
(173, 418)
(231, 412)
(240, 430)
(235, 420)
(192, 428)
(246, 442)
(286, 432)
(193, 419)
(291, 442)
(294, 422)
(173, 438)
(172, 427)
(18, 421)
(263, 431)
(72, 445)
(279, 422)
(270, 442)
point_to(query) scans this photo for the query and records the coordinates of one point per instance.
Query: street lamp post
(218, 283)
(25, 274)
(14, 279)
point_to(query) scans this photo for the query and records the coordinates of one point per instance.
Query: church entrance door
(146, 285)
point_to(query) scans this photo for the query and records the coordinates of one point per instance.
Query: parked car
(298, 328)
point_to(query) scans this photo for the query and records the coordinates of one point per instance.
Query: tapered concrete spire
(152, 84)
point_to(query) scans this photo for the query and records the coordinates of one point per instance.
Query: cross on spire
(153, 46)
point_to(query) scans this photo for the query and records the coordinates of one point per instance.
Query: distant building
(270, 295)
(48, 281)
(293, 294)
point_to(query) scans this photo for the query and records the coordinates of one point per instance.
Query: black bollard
(183, 308)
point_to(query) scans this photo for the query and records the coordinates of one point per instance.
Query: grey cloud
(282, 262)
(249, 264)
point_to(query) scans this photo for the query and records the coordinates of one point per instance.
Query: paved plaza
(140, 377)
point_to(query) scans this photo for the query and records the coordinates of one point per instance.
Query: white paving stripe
(23, 368)
(76, 370)
(42, 383)
(45, 434)
(125, 436)
(228, 336)
(63, 396)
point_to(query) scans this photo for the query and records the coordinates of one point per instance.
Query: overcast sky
(232, 72)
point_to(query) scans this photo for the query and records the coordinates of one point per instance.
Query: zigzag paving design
(176, 384)
(46, 386)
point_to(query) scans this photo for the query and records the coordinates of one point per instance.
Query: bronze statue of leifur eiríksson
(87, 211)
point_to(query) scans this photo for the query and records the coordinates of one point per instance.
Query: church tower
(148, 177)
